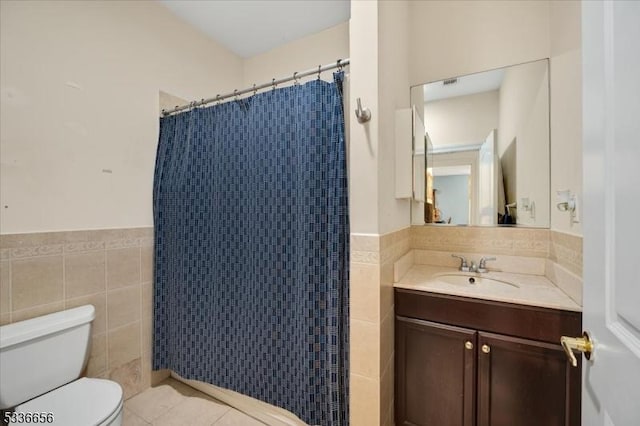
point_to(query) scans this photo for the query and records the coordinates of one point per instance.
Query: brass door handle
(582, 344)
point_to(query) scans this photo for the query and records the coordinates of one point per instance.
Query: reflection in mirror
(488, 147)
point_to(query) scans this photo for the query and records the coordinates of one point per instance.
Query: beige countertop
(533, 290)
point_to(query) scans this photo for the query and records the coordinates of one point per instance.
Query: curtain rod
(340, 63)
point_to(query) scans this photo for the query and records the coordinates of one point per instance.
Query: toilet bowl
(40, 362)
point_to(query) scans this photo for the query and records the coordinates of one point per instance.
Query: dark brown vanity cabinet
(435, 373)
(462, 361)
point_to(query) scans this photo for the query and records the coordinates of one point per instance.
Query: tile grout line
(106, 311)
(10, 262)
(64, 279)
(120, 327)
(141, 327)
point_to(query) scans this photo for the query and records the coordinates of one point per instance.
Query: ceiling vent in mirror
(449, 81)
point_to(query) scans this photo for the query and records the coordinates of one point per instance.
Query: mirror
(487, 145)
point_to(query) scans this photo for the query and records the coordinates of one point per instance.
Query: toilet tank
(43, 353)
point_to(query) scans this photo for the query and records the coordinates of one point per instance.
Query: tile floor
(172, 403)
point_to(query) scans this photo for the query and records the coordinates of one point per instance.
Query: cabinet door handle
(486, 349)
(468, 345)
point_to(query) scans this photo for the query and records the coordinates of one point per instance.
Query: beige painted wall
(393, 94)
(566, 108)
(306, 53)
(363, 143)
(461, 37)
(80, 85)
(96, 97)
(463, 120)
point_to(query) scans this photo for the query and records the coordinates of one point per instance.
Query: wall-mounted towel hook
(363, 115)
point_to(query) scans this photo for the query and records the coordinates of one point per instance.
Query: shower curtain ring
(217, 99)
(235, 95)
(319, 71)
(273, 83)
(338, 63)
(295, 78)
(255, 91)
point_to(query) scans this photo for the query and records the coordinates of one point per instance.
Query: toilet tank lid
(22, 331)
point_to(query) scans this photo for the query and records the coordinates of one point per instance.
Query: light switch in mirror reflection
(488, 147)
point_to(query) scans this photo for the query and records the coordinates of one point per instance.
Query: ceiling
(251, 27)
(466, 85)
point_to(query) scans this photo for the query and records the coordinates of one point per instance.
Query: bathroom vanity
(479, 344)
(463, 359)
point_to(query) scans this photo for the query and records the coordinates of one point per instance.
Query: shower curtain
(251, 249)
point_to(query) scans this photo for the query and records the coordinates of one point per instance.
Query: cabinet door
(435, 374)
(524, 382)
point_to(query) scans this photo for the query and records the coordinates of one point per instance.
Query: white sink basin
(471, 279)
(499, 286)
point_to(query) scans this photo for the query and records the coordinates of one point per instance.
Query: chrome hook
(363, 115)
(319, 71)
(255, 90)
(273, 83)
(295, 79)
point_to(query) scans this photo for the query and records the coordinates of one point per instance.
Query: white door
(488, 182)
(611, 214)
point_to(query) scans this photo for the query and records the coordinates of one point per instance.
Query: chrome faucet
(464, 266)
(480, 268)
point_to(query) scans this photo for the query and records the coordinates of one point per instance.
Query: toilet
(41, 360)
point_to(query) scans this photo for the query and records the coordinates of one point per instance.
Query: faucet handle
(482, 266)
(464, 267)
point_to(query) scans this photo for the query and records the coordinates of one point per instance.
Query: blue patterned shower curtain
(251, 249)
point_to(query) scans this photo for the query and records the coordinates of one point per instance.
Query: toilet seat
(83, 402)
